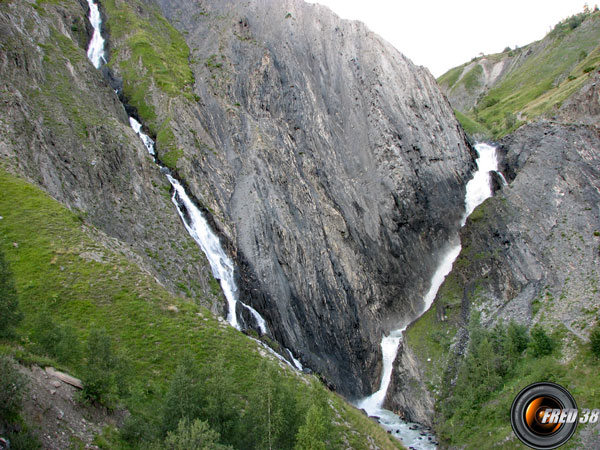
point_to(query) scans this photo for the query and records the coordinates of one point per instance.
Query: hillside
(521, 303)
(495, 94)
(73, 280)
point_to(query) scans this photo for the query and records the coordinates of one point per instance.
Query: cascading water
(221, 265)
(478, 189)
(95, 51)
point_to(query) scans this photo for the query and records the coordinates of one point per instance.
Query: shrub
(56, 341)
(595, 340)
(9, 301)
(12, 389)
(100, 372)
(541, 344)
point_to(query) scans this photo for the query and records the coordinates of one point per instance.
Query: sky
(441, 34)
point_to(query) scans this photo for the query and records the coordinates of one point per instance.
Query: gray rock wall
(335, 169)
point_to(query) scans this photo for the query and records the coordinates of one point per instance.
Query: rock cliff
(530, 254)
(332, 167)
(63, 127)
(336, 171)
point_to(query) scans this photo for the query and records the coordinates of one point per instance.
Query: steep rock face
(63, 127)
(530, 254)
(332, 165)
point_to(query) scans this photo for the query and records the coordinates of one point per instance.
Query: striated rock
(330, 163)
(584, 105)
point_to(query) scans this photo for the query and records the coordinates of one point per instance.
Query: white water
(478, 189)
(297, 363)
(221, 265)
(96, 48)
(149, 143)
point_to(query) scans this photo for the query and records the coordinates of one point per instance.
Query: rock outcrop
(332, 165)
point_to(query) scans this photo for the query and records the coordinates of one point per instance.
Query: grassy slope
(431, 339)
(539, 85)
(59, 266)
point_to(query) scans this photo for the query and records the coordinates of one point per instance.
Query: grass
(150, 55)
(558, 67)
(472, 79)
(471, 127)
(48, 248)
(451, 77)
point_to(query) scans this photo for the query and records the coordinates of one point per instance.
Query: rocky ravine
(331, 165)
(337, 172)
(530, 254)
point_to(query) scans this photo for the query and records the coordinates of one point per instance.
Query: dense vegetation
(541, 77)
(498, 364)
(185, 377)
(475, 370)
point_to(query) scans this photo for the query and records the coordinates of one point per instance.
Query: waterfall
(478, 189)
(95, 51)
(196, 225)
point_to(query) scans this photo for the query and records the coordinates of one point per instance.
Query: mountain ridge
(495, 94)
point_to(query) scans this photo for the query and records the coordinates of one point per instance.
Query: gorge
(326, 180)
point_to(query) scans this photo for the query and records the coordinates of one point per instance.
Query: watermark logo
(545, 415)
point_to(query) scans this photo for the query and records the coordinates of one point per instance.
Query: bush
(541, 344)
(10, 315)
(56, 341)
(100, 372)
(12, 389)
(595, 340)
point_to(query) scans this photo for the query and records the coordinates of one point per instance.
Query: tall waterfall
(478, 189)
(221, 265)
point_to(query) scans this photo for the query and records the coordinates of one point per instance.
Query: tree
(9, 301)
(12, 389)
(541, 344)
(100, 371)
(193, 435)
(313, 434)
(517, 341)
(183, 399)
(219, 404)
(595, 340)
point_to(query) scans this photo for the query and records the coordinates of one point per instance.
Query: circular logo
(544, 415)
